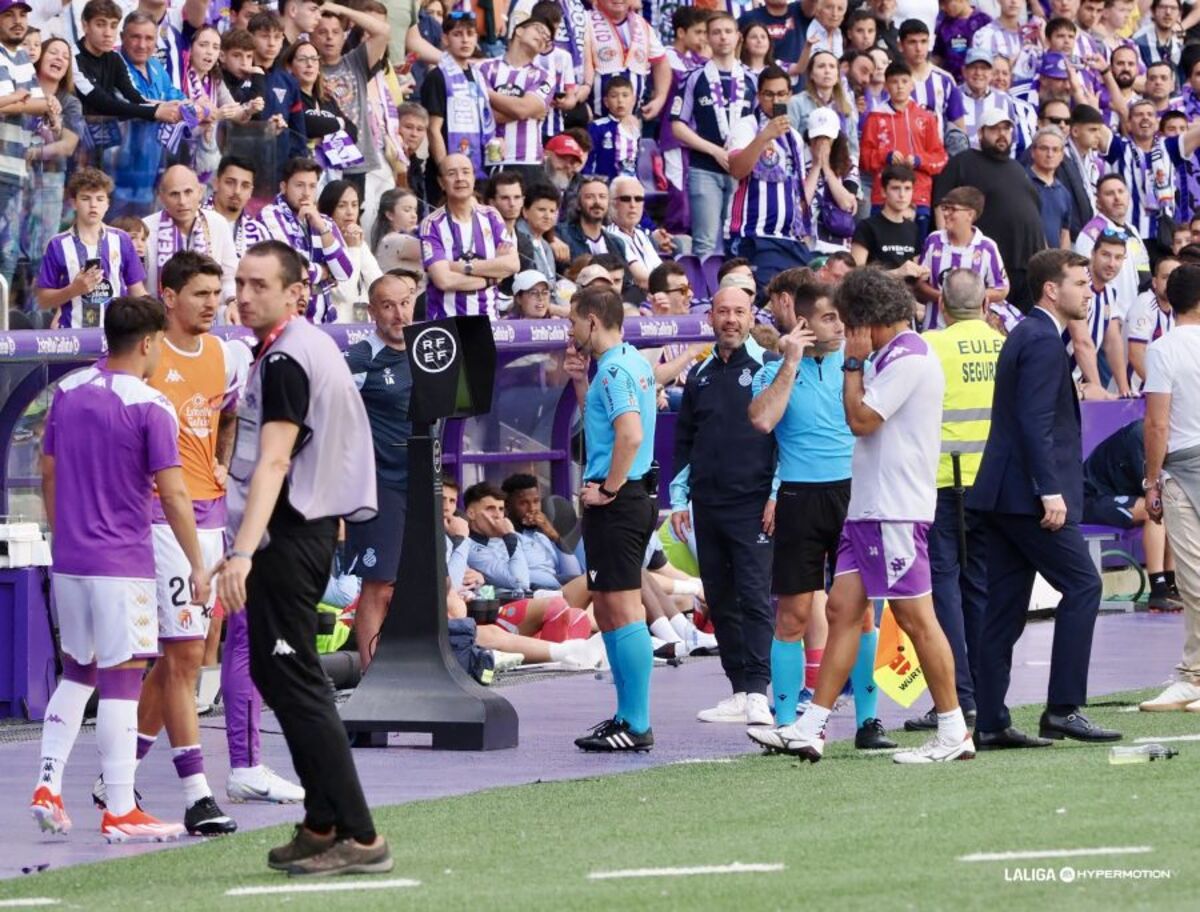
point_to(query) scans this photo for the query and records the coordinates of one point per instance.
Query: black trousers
(959, 589)
(735, 566)
(286, 581)
(1018, 548)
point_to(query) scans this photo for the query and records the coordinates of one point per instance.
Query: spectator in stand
(588, 233)
(84, 269)
(1004, 35)
(205, 89)
(623, 43)
(766, 157)
(247, 86)
(889, 237)
(959, 245)
(54, 143)
(394, 235)
(293, 218)
(505, 193)
(324, 118)
(933, 88)
(617, 135)
(1142, 159)
(175, 24)
(831, 185)
(232, 191)
(824, 32)
(1096, 343)
(1160, 40)
(1010, 211)
(712, 98)
(980, 97)
(1159, 86)
(532, 297)
(519, 92)
(102, 80)
(413, 129)
(282, 95)
(1151, 317)
(756, 50)
(538, 222)
(240, 14)
(862, 30)
(641, 248)
(465, 249)
(346, 76)
(957, 24)
(298, 18)
(823, 88)
(461, 120)
(1054, 199)
(903, 133)
(339, 203)
(786, 24)
(182, 224)
(1112, 215)
(567, 86)
(136, 229)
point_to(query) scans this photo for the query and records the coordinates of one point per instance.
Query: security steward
(968, 349)
(799, 400)
(379, 365)
(725, 468)
(620, 509)
(298, 466)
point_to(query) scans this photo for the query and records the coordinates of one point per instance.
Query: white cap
(528, 280)
(995, 117)
(824, 122)
(592, 274)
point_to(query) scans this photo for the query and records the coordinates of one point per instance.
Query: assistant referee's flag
(897, 669)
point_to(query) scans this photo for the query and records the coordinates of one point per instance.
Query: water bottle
(1139, 753)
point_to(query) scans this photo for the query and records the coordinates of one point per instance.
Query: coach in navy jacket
(1030, 485)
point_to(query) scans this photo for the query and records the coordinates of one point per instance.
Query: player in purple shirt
(110, 440)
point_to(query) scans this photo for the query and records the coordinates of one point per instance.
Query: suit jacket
(1081, 206)
(1034, 447)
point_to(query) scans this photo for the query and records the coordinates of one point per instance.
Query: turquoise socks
(631, 656)
(787, 677)
(862, 677)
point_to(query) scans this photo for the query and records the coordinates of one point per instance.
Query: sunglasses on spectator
(1114, 234)
(631, 199)
(460, 15)
(1059, 121)
(680, 289)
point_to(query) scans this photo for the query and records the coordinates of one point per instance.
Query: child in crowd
(956, 26)
(615, 138)
(862, 32)
(137, 231)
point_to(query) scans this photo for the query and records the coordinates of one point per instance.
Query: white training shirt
(1173, 366)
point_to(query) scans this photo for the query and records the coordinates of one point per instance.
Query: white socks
(64, 716)
(812, 723)
(952, 727)
(662, 628)
(683, 626)
(116, 737)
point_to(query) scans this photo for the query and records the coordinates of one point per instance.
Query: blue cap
(1054, 66)
(978, 55)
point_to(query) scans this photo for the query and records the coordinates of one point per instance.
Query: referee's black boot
(871, 735)
(614, 735)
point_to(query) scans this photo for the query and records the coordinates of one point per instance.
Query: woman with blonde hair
(823, 88)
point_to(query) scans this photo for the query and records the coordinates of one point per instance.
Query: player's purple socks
(189, 761)
(243, 705)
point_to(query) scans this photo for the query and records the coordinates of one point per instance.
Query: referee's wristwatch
(852, 364)
(607, 493)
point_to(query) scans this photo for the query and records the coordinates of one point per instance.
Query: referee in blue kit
(619, 505)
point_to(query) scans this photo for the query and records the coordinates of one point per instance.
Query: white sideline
(340, 886)
(29, 902)
(736, 868)
(1057, 853)
(1167, 738)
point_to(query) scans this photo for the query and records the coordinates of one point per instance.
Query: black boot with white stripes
(613, 735)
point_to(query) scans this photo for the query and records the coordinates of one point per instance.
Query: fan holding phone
(768, 223)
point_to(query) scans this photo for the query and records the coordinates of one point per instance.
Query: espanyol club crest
(746, 378)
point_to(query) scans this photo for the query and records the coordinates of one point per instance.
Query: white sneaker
(731, 709)
(1178, 696)
(935, 750)
(758, 710)
(1193, 707)
(788, 739)
(261, 783)
(506, 661)
(584, 654)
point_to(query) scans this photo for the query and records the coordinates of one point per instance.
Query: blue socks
(862, 678)
(631, 656)
(787, 677)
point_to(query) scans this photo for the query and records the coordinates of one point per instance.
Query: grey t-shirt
(347, 81)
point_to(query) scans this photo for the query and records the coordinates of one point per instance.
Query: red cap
(565, 145)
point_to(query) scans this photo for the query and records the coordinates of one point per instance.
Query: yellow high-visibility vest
(968, 351)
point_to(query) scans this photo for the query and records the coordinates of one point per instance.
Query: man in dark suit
(1030, 485)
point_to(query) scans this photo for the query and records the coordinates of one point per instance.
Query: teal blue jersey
(624, 382)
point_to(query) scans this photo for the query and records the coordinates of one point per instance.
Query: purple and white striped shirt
(1147, 320)
(446, 239)
(1100, 312)
(980, 255)
(998, 41)
(283, 225)
(939, 94)
(522, 138)
(65, 258)
(561, 71)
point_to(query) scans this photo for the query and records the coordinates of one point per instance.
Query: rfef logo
(434, 350)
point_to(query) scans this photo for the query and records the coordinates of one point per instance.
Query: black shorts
(808, 526)
(373, 547)
(615, 538)
(1109, 510)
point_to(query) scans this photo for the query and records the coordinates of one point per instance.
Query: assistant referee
(619, 509)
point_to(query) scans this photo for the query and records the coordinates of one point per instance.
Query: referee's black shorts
(808, 526)
(615, 537)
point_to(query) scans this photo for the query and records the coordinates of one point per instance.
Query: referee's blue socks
(862, 678)
(631, 655)
(787, 677)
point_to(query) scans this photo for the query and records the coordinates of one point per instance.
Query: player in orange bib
(201, 378)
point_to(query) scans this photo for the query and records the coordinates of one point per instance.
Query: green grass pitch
(854, 832)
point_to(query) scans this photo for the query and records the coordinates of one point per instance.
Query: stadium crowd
(824, 182)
